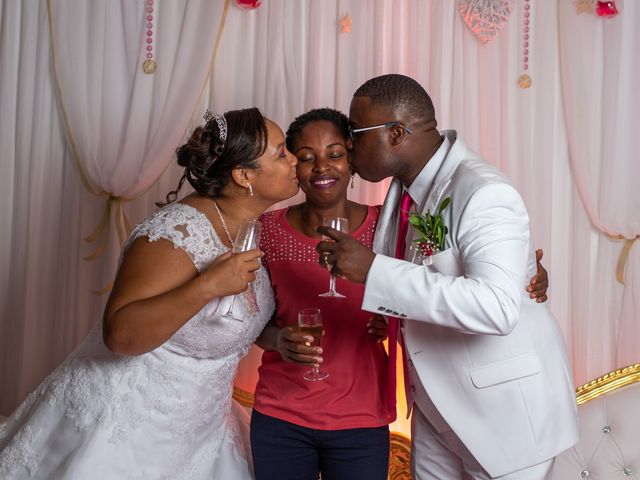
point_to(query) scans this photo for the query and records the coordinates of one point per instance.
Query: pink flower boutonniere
(432, 231)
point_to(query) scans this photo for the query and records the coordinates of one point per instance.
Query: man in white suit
(488, 375)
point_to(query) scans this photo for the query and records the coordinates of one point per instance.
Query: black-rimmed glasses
(352, 130)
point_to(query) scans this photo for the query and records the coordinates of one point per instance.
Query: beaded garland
(525, 80)
(149, 66)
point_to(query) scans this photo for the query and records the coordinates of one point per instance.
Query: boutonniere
(431, 230)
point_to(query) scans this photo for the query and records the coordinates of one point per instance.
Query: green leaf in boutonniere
(431, 229)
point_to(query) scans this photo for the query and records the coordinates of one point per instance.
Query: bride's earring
(250, 189)
(352, 177)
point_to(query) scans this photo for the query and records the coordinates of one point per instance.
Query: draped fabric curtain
(602, 106)
(46, 307)
(286, 57)
(123, 124)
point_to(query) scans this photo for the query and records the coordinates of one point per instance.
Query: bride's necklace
(224, 224)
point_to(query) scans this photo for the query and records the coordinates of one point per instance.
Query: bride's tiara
(220, 120)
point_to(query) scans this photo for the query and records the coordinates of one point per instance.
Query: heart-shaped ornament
(485, 18)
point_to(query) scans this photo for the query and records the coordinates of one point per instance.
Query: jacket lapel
(456, 153)
(383, 236)
(384, 241)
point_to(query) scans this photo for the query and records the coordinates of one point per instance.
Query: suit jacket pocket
(445, 262)
(505, 371)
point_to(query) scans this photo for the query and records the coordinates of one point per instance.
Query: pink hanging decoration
(606, 9)
(485, 18)
(149, 66)
(249, 4)
(524, 81)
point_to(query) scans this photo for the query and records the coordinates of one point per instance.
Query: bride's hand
(293, 346)
(231, 274)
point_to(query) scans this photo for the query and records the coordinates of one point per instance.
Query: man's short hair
(394, 91)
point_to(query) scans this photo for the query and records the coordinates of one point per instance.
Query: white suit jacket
(492, 361)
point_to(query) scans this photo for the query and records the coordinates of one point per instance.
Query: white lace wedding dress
(166, 414)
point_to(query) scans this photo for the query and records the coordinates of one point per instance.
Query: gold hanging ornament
(149, 66)
(524, 81)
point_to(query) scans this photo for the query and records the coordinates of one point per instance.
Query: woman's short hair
(337, 118)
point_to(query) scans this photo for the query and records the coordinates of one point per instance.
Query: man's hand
(539, 282)
(347, 257)
(378, 327)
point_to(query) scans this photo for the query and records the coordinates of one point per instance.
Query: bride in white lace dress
(148, 393)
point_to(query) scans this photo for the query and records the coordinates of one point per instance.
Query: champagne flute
(342, 225)
(248, 238)
(310, 323)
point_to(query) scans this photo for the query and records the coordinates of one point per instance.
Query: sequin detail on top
(282, 243)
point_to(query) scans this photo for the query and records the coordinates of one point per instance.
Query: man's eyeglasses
(353, 131)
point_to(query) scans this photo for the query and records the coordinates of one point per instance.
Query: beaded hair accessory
(220, 120)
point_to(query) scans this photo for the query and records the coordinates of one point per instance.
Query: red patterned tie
(403, 225)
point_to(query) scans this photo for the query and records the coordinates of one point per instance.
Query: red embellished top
(354, 393)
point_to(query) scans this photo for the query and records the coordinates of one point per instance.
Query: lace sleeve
(185, 227)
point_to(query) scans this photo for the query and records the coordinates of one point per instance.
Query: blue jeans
(285, 451)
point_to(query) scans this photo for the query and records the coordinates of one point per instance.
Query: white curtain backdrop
(602, 108)
(286, 57)
(122, 123)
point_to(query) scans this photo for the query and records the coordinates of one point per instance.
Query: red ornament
(249, 4)
(606, 9)
(426, 248)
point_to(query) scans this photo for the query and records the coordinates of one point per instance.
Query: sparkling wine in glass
(248, 238)
(342, 225)
(310, 323)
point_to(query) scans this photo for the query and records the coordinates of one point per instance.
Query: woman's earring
(250, 189)
(352, 176)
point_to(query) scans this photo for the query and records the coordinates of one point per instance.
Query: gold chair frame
(607, 383)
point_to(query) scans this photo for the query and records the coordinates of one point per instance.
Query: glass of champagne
(310, 323)
(248, 238)
(342, 225)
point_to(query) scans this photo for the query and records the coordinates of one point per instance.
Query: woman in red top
(337, 426)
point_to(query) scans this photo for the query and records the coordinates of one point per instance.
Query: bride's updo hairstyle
(233, 140)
